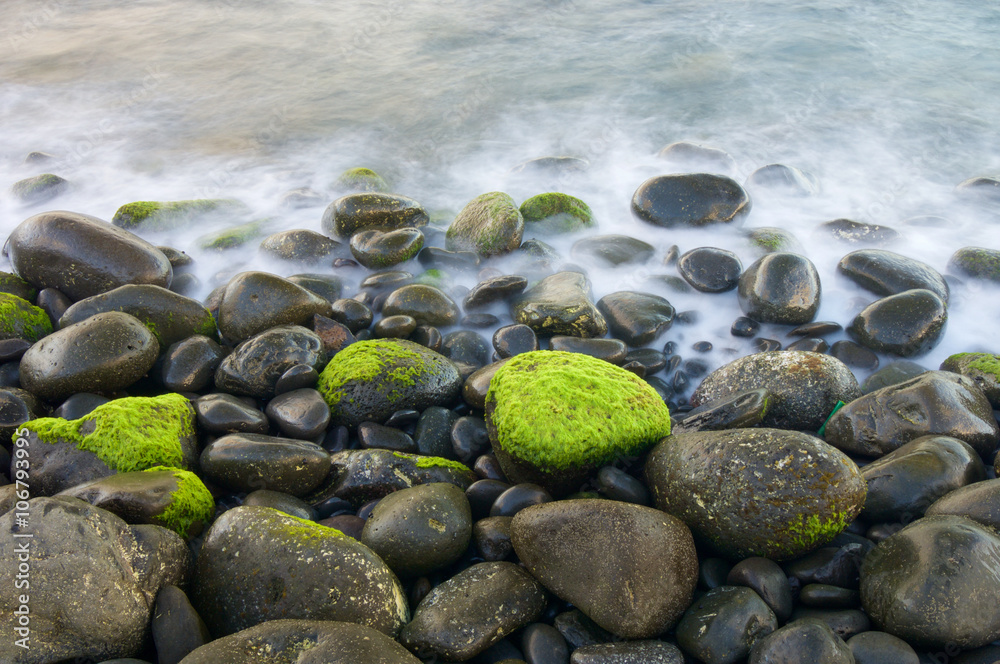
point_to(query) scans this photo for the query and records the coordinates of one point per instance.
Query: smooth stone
(609, 350)
(580, 631)
(220, 413)
(616, 484)
(326, 286)
(983, 368)
(257, 301)
(180, 261)
(386, 280)
(903, 483)
(296, 377)
(255, 366)
(975, 262)
(186, 284)
(768, 580)
(490, 225)
(469, 438)
(399, 326)
(370, 380)
(438, 259)
(477, 385)
(735, 411)
(931, 583)
(809, 345)
(612, 250)
(420, 529)
(190, 365)
(514, 339)
(371, 435)
(173, 215)
(78, 405)
(466, 347)
(300, 246)
(492, 537)
(479, 320)
(335, 335)
(473, 610)
(39, 189)
(849, 231)
(881, 648)
(830, 565)
(482, 494)
(651, 359)
(894, 373)
(556, 214)
(556, 167)
(543, 644)
(20, 320)
(769, 239)
(933, 403)
(283, 502)
(783, 179)
(694, 157)
(300, 413)
(377, 250)
(80, 255)
(300, 570)
(888, 273)
(628, 652)
(908, 324)
(690, 200)
(710, 270)
(712, 573)
(823, 596)
(781, 288)
(845, 623)
(815, 329)
(979, 501)
(744, 327)
(371, 211)
(517, 498)
(724, 624)
(560, 304)
(249, 461)
(495, 289)
(349, 524)
(804, 387)
(638, 319)
(176, 627)
(360, 179)
(854, 355)
(104, 353)
(427, 336)
(806, 640)
(433, 432)
(725, 486)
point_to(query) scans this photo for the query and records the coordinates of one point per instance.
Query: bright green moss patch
(156, 215)
(20, 319)
(364, 361)
(557, 410)
(490, 224)
(807, 533)
(191, 505)
(986, 363)
(554, 213)
(432, 462)
(362, 180)
(134, 433)
(230, 238)
(297, 529)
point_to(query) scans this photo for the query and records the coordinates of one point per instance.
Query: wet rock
(804, 387)
(849, 231)
(82, 255)
(39, 189)
(937, 566)
(15, 285)
(556, 417)
(399, 326)
(492, 537)
(190, 365)
(248, 461)
(631, 569)
(433, 432)
(301, 413)
(768, 580)
(425, 304)
(756, 492)
(881, 648)
(223, 413)
(556, 214)
(296, 377)
(823, 596)
(695, 157)
(744, 327)
(476, 386)
(360, 179)
(893, 373)
(255, 366)
(609, 350)
(983, 368)
(176, 627)
(780, 288)
(769, 239)
(335, 336)
(490, 225)
(473, 610)
(887, 273)
(370, 380)
(979, 501)
(19, 319)
(493, 290)
(710, 270)
(908, 324)
(326, 286)
(628, 652)
(975, 262)
(94, 579)
(519, 497)
(543, 643)
(933, 403)
(302, 197)
(17, 406)
(371, 435)
(169, 215)
(903, 483)
(740, 410)
(806, 640)
(355, 315)
(854, 355)
(560, 304)
(783, 179)
(696, 199)
(637, 319)
(300, 246)
(283, 502)
(300, 570)
(371, 211)
(612, 250)
(381, 249)
(256, 301)
(554, 167)
(723, 625)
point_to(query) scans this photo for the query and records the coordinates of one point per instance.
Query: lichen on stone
(810, 532)
(362, 179)
(156, 215)
(191, 504)
(364, 361)
(22, 320)
(432, 462)
(554, 213)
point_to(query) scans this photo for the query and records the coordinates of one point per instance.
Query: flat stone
(887, 273)
(908, 324)
(696, 199)
(560, 304)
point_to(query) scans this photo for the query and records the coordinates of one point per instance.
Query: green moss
(977, 262)
(302, 529)
(230, 238)
(432, 462)
(987, 363)
(554, 213)
(133, 433)
(362, 179)
(806, 533)
(364, 361)
(15, 285)
(155, 215)
(191, 504)
(39, 188)
(486, 225)
(20, 319)
(558, 410)
(436, 278)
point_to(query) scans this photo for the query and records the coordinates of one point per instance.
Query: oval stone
(256, 365)
(695, 199)
(637, 319)
(888, 273)
(908, 324)
(377, 250)
(249, 461)
(425, 304)
(371, 211)
(560, 304)
(256, 301)
(299, 245)
(710, 270)
(780, 288)
(490, 224)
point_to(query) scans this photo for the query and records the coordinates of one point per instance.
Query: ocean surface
(889, 105)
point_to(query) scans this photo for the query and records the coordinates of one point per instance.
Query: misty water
(889, 105)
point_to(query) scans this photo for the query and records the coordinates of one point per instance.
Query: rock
(881, 648)
(124, 435)
(887, 273)
(326, 286)
(360, 476)
(723, 625)
(804, 387)
(300, 570)
(161, 216)
(979, 501)
(371, 211)
(628, 652)
(94, 580)
(177, 628)
(893, 373)
(327, 641)
(780, 178)
(769, 239)
(710, 270)
(768, 580)
(780, 288)
(854, 355)
(20, 319)
(39, 188)
(560, 304)
(395, 327)
(17, 406)
(631, 569)
(903, 483)
(907, 324)
(554, 418)
(381, 249)
(756, 492)
(473, 610)
(15, 285)
(286, 503)
(247, 461)
(80, 255)
(976, 262)
(556, 214)
(740, 410)
(490, 225)
(360, 179)
(609, 350)
(370, 380)
(220, 414)
(849, 231)
(696, 199)
(420, 529)
(170, 497)
(806, 640)
(694, 157)
(426, 304)
(494, 289)
(983, 188)
(300, 246)
(189, 365)
(638, 319)
(612, 250)
(254, 366)
(300, 413)
(937, 566)
(256, 301)
(933, 403)
(983, 368)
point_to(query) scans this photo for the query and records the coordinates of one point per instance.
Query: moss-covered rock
(232, 237)
(39, 188)
(490, 224)
(370, 380)
(554, 214)
(976, 262)
(159, 216)
(362, 179)
(556, 417)
(984, 368)
(20, 319)
(769, 239)
(15, 285)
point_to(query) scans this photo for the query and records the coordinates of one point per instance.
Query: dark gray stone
(696, 199)
(908, 324)
(190, 365)
(849, 231)
(257, 301)
(710, 270)
(768, 580)
(724, 624)
(426, 304)
(881, 648)
(628, 652)
(975, 262)
(494, 289)
(979, 502)
(780, 288)
(248, 461)
(223, 413)
(888, 273)
(300, 246)
(612, 250)
(807, 640)
(177, 628)
(256, 365)
(740, 410)
(381, 249)
(371, 211)
(637, 319)
(299, 413)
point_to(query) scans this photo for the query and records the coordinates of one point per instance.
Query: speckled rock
(381, 249)
(979, 501)
(628, 652)
(631, 569)
(256, 301)
(300, 570)
(371, 211)
(638, 319)
(804, 387)
(724, 624)
(806, 640)
(849, 231)
(560, 304)
(300, 246)
(426, 304)
(887, 273)
(696, 199)
(983, 368)
(976, 262)
(756, 492)
(246, 461)
(908, 324)
(169, 215)
(254, 366)
(780, 288)
(710, 270)
(490, 224)
(555, 214)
